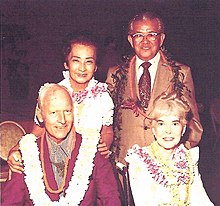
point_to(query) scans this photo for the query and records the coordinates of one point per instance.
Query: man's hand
(15, 162)
(103, 149)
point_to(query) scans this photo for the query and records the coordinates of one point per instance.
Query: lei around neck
(93, 89)
(178, 173)
(79, 182)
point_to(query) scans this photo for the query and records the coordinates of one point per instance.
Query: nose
(62, 118)
(145, 38)
(168, 129)
(82, 67)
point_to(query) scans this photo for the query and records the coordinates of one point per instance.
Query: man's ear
(162, 38)
(130, 40)
(39, 114)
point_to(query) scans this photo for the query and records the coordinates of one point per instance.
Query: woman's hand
(103, 149)
(15, 162)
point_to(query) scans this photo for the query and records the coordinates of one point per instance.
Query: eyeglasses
(150, 36)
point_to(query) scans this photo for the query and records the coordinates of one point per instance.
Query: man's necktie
(145, 85)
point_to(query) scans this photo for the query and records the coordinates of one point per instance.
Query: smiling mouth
(168, 138)
(61, 128)
(82, 75)
(145, 47)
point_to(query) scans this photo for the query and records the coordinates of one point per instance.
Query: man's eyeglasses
(150, 36)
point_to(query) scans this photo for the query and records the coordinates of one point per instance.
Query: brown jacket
(133, 129)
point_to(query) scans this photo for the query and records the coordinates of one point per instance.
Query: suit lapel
(162, 81)
(49, 170)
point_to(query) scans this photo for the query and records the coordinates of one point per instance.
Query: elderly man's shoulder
(182, 66)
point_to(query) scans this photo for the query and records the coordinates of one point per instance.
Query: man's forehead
(57, 95)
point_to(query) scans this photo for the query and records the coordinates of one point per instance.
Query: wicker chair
(10, 134)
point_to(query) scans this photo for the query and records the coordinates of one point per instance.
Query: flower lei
(79, 182)
(91, 91)
(177, 84)
(98, 88)
(121, 81)
(169, 176)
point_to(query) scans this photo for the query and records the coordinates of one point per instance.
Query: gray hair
(146, 16)
(43, 91)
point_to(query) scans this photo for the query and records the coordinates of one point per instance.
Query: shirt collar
(65, 145)
(153, 61)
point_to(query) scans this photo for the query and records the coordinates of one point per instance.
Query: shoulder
(63, 82)
(99, 90)
(27, 141)
(183, 67)
(66, 83)
(127, 62)
(135, 153)
(194, 154)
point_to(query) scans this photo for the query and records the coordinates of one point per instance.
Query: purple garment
(102, 188)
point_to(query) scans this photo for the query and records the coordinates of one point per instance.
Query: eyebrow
(160, 120)
(80, 57)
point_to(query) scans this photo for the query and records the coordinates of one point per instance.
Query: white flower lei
(79, 182)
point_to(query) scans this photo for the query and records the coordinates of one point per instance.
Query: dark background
(32, 32)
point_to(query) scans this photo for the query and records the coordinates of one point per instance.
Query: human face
(168, 131)
(57, 114)
(81, 63)
(146, 49)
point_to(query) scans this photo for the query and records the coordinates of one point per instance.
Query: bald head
(49, 90)
(55, 110)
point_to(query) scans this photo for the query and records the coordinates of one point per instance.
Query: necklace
(79, 181)
(177, 175)
(177, 172)
(59, 190)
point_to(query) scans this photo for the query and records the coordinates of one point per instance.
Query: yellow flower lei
(170, 171)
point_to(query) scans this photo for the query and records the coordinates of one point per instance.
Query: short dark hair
(83, 38)
(147, 15)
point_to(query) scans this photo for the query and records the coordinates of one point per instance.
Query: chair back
(10, 133)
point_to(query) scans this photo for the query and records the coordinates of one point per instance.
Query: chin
(82, 81)
(145, 57)
(61, 135)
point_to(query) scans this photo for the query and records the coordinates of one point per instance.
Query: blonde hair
(170, 104)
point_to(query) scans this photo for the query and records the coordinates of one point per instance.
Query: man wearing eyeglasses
(146, 34)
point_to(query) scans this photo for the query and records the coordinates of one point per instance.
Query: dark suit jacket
(102, 188)
(133, 128)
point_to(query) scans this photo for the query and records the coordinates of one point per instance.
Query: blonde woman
(165, 172)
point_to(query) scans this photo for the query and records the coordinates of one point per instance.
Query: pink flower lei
(80, 96)
(180, 170)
